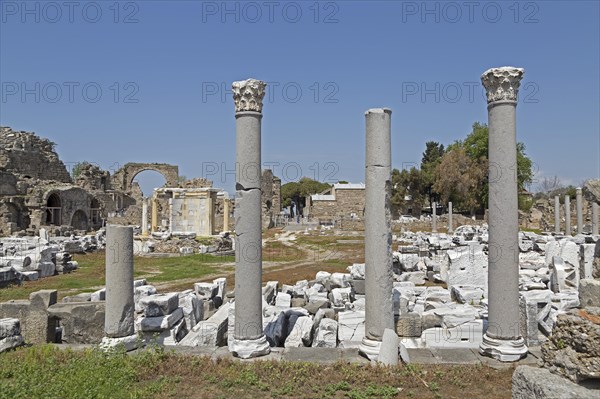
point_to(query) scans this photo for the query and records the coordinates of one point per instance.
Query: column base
(369, 348)
(248, 348)
(504, 350)
(130, 343)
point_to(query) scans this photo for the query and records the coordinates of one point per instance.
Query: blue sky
(147, 81)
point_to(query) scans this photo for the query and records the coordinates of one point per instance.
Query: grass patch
(91, 273)
(48, 372)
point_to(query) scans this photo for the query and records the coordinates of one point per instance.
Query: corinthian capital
(248, 95)
(502, 84)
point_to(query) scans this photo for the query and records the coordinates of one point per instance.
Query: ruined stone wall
(541, 215)
(271, 197)
(27, 155)
(123, 178)
(350, 201)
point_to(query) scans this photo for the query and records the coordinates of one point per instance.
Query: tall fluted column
(379, 312)
(249, 339)
(594, 218)
(502, 340)
(145, 217)
(567, 215)
(450, 227)
(556, 214)
(579, 204)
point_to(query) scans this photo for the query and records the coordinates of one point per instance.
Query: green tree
(476, 147)
(407, 187)
(461, 179)
(432, 156)
(297, 191)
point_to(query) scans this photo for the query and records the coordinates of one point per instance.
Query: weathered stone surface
(160, 304)
(351, 327)
(210, 332)
(409, 325)
(206, 290)
(193, 309)
(388, 354)
(81, 322)
(536, 315)
(538, 383)
(36, 326)
(589, 292)
(10, 342)
(283, 300)
(326, 334)
(160, 323)
(300, 333)
(468, 266)
(573, 350)
(9, 328)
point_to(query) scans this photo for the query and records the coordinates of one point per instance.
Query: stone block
(536, 316)
(193, 309)
(206, 290)
(388, 353)
(283, 300)
(299, 335)
(10, 343)
(538, 383)
(9, 328)
(159, 323)
(409, 325)
(326, 334)
(358, 286)
(589, 292)
(351, 327)
(81, 322)
(210, 332)
(158, 305)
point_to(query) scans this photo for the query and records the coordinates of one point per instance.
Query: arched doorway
(147, 180)
(53, 210)
(79, 220)
(95, 212)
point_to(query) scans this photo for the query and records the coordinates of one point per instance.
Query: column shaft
(379, 313)
(118, 321)
(144, 217)
(567, 215)
(249, 340)
(579, 204)
(556, 214)
(502, 340)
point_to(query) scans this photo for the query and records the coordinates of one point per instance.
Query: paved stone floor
(332, 355)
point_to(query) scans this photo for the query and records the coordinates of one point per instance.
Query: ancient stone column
(556, 214)
(154, 215)
(595, 207)
(502, 340)
(145, 217)
(379, 313)
(434, 218)
(567, 215)
(450, 228)
(249, 340)
(579, 204)
(226, 214)
(120, 307)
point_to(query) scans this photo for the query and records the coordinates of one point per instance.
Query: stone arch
(54, 209)
(79, 220)
(123, 178)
